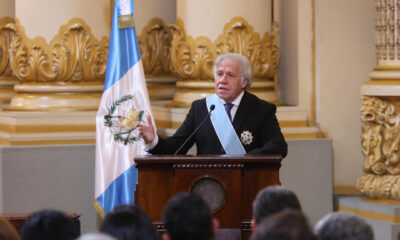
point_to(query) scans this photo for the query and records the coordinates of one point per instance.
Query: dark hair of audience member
(187, 217)
(7, 230)
(287, 224)
(273, 199)
(343, 226)
(49, 225)
(127, 222)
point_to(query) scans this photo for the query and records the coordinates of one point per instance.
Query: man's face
(227, 80)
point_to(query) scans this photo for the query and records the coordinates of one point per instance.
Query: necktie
(228, 107)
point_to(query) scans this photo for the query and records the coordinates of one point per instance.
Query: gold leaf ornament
(74, 56)
(7, 32)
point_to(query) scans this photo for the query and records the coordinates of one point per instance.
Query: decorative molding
(193, 59)
(7, 32)
(202, 166)
(387, 30)
(7, 79)
(154, 43)
(74, 56)
(380, 141)
(374, 186)
(190, 59)
(380, 138)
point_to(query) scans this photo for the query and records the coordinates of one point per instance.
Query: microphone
(212, 107)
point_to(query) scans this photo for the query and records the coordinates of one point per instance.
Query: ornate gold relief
(154, 43)
(67, 74)
(73, 56)
(190, 59)
(380, 141)
(380, 137)
(193, 59)
(373, 186)
(387, 30)
(7, 32)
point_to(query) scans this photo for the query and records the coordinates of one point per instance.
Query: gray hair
(96, 236)
(343, 226)
(246, 70)
(273, 199)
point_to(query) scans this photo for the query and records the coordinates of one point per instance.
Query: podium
(229, 184)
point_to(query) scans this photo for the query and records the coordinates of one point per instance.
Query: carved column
(7, 78)
(380, 111)
(245, 28)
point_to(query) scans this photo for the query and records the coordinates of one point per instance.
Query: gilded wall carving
(190, 59)
(193, 58)
(380, 141)
(154, 43)
(73, 56)
(7, 32)
(387, 29)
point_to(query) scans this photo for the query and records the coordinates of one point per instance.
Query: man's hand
(147, 131)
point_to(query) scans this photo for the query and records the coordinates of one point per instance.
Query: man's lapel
(243, 110)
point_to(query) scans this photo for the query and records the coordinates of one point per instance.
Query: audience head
(187, 216)
(271, 200)
(7, 231)
(49, 224)
(285, 225)
(343, 226)
(96, 236)
(129, 222)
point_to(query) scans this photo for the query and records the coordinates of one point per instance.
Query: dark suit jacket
(253, 114)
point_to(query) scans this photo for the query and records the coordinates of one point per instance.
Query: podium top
(236, 160)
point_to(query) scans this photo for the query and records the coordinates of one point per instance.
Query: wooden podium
(229, 184)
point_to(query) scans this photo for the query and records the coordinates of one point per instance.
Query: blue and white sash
(223, 127)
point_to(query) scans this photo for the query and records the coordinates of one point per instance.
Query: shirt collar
(236, 101)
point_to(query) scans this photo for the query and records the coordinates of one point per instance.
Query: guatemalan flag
(124, 103)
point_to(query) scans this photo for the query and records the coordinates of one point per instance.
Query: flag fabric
(124, 103)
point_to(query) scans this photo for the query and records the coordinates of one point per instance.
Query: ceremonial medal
(246, 137)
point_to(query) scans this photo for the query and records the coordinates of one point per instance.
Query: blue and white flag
(124, 103)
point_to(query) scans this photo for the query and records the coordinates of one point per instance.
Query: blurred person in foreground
(187, 217)
(343, 226)
(271, 200)
(285, 225)
(129, 222)
(49, 225)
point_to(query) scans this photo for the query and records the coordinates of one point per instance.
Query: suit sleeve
(171, 144)
(273, 140)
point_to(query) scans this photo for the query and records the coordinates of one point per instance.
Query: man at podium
(231, 121)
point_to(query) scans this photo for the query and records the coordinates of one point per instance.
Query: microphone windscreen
(212, 107)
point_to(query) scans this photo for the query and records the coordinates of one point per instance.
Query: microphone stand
(212, 107)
